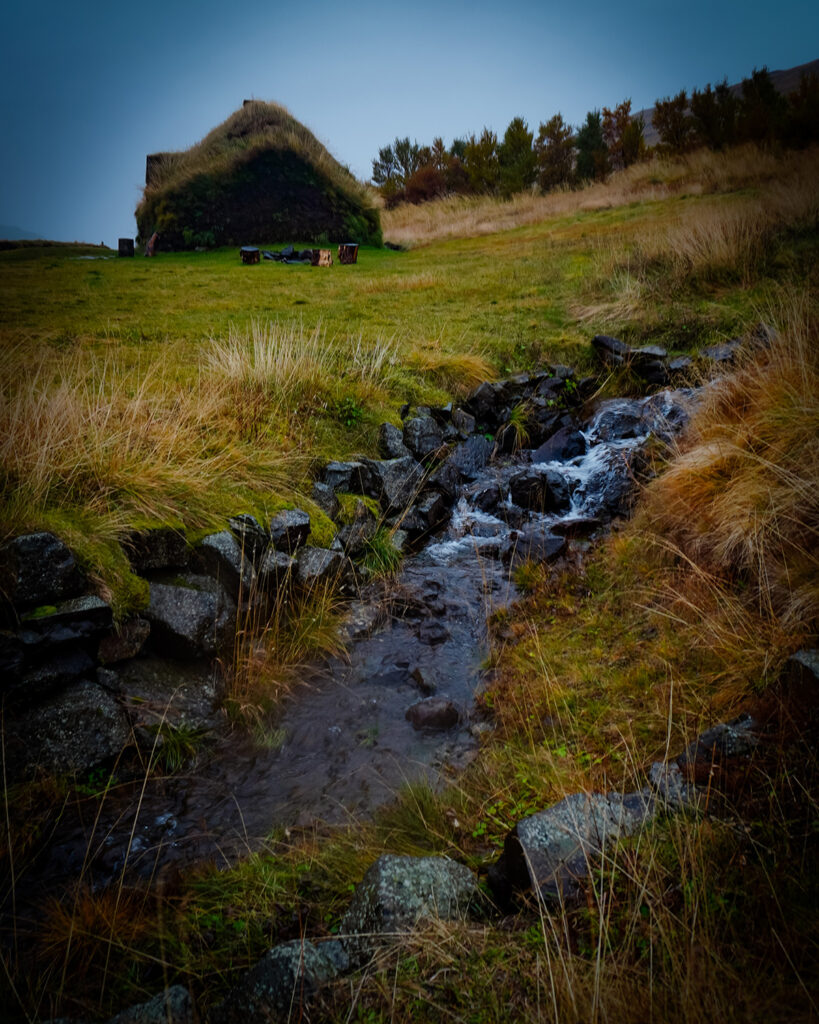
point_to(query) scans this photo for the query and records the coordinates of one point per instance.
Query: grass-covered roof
(260, 176)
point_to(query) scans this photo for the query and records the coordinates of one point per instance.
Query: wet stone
(338, 475)
(290, 529)
(79, 618)
(61, 669)
(72, 732)
(37, 569)
(274, 570)
(536, 544)
(422, 436)
(541, 491)
(192, 617)
(156, 549)
(432, 632)
(124, 642)
(471, 457)
(434, 714)
(318, 565)
(723, 741)
(220, 556)
(567, 443)
(391, 442)
(610, 350)
(463, 422)
(325, 497)
(354, 537)
(251, 536)
(394, 482)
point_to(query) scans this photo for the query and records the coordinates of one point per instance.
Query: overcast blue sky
(90, 87)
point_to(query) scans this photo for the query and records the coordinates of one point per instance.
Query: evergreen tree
(622, 134)
(802, 122)
(714, 115)
(481, 161)
(592, 154)
(516, 158)
(554, 153)
(762, 110)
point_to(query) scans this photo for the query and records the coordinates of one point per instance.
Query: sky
(90, 87)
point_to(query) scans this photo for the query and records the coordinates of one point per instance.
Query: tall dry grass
(737, 510)
(697, 173)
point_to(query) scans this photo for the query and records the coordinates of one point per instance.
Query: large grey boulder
(536, 544)
(282, 983)
(338, 476)
(325, 497)
(193, 617)
(173, 1006)
(253, 538)
(551, 852)
(315, 566)
(471, 457)
(37, 569)
(71, 732)
(565, 444)
(397, 893)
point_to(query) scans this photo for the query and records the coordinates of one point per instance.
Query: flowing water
(342, 744)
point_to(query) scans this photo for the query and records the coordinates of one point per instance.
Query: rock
(434, 714)
(394, 482)
(543, 491)
(156, 549)
(125, 641)
(722, 742)
(79, 618)
(432, 509)
(671, 786)
(619, 420)
(649, 363)
(668, 413)
(280, 985)
(354, 537)
(486, 497)
(173, 1006)
(487, 403)
(425, 683)
(37, 569)
(471, 457)
(536, 544)
(422, 436)
(610, 490)
(12, 657)
(364, 618)
(432, 632)
(610, 350)
(252, 537)
(338, 475)
(463, 422)
(581, 526)
(72, 732)
(391, 442)
(191, 618)
(723, 353)
(316, 566)
(325, 497)
(275, 570)
(220, 556)
(567, 443)
(551, 852)
(680, 364)
(289, 530)
(397, 893)
(61, 668)
(157, 690)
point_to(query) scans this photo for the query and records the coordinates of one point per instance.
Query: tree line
(609, 139)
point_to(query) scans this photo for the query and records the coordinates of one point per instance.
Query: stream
(342, 744)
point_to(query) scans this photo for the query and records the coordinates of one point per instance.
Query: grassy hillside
(259, 176)
(190, 387)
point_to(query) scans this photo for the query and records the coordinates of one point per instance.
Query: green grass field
(188, 387)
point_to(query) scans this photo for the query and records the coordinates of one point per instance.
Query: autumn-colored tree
(554, 153)
(516, 158)
(622, 134)
(592, 154)
(673, 123)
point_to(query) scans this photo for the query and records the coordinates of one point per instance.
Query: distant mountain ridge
(9, 233)
(785, 81)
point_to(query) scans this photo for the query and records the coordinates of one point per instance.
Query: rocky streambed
(399, 707)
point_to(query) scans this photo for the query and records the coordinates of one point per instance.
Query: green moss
(348, 504)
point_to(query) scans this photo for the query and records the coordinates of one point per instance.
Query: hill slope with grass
(260, 176)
